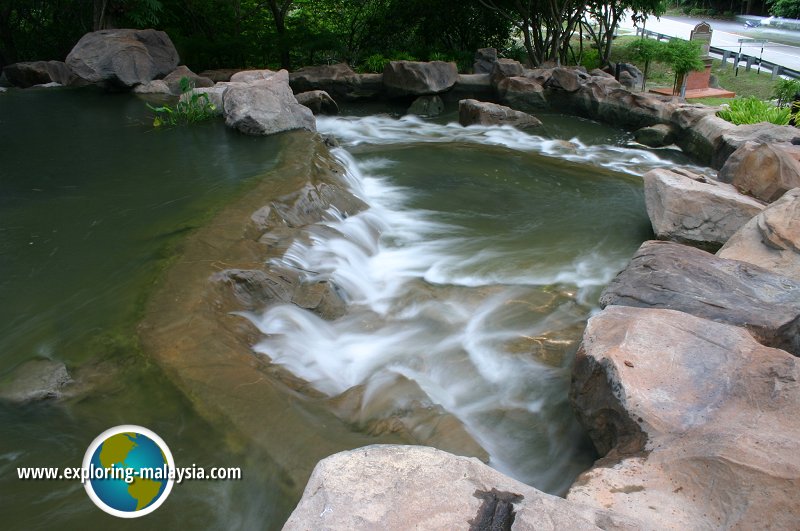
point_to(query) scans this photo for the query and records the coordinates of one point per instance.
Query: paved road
(726, 35)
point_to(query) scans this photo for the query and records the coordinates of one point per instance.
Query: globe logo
(131, 471)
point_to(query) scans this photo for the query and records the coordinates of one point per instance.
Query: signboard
(702, 34)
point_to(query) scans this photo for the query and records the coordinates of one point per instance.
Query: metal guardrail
(776, 69)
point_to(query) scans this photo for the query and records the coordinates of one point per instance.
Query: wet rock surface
(473, 112)
(764, 170)
(412, 78)
(412, 487)
(35, 380)
(672, 276)
(695, 420)
(318, 101)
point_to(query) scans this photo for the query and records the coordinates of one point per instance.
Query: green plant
(374, 63)
(403, 56)
(752, 111)
(645, 51)
(784, 91)
(590, 59)
(191, 108)
(439, 56)
(684, 57)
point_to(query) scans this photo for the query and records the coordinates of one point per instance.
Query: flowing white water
(473, 324)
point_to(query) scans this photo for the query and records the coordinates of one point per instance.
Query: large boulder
(765, 171)
(678, 277)
(339, 80)
(566, 79)
(521, 93)
(173, 79)
(123, 58)
(248, 76)
(485, 58)
(690, 208)
(416, 487)
(696, 421)
(503, 68)
(29, 74)
(482, 113)
(265, 107)
(412, 78)
(762, 133)
(318, 101)
(771, 239)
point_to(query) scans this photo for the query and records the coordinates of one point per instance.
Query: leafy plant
(646, 51)
(403, 56)
(784, 91)
(191, 108)
(684, 57)
(439, 56)
(752, 111)
(375, 63)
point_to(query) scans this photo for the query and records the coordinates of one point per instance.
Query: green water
(92, 202)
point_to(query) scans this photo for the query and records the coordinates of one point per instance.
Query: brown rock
(173, 79)
(674, 276)
(485, 58)
(504, 68)
(521, 93)
(248, 76)
(416, 487)
(478, 112)
(688, 208)
(337, 80)
(566, 79)
(765, 171)
(771, 239)
(29, 74)
(659, 135)
(698, 429)
(763, 133)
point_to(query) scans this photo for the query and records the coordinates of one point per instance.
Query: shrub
(190, 109)
(374, 63)
(752, 111)
(784, 91)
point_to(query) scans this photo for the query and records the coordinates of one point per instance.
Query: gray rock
(763, 133)
(173, 80)
(482, 113)
(265, 107)
(34, 380)
(632, 75)
(485, 58)
(3, 89)
(696, 422)
(248, 76)
(771, 239)
(318, 101)
(413, 78)
(416, 487)
(123, 58)
(156, 86)
(29, 74)
(521, 93)
(689, 208)
(765, 171)
(427, 106)
(504, 68)
(339, 80)
(52, 84)
(655, 136)
(219, 74)
(566, 79)
(673, 276)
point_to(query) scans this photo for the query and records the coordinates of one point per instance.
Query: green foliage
(645, 50)
(591, 59)
(191, 108)
(784, 91)
(374, 63)
(752, 111)
(403, 56)
(784, 8)
(683, 56)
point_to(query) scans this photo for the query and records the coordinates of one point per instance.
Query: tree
(602, 18)
(785, 8)
(646, 51)
(684, 57)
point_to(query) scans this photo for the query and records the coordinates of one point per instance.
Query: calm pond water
(482, 254)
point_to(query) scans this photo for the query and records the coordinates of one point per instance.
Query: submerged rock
(156, 86)
(412, 78)
(34, 380)
(772, 239)
(674, 276)
(472, 112)
(688, 208)
(656, 135)
(265, 107)
(765, 171)
(697, 422)
(318, 101)
(123, 58)
(415, 487)
(427, 106)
